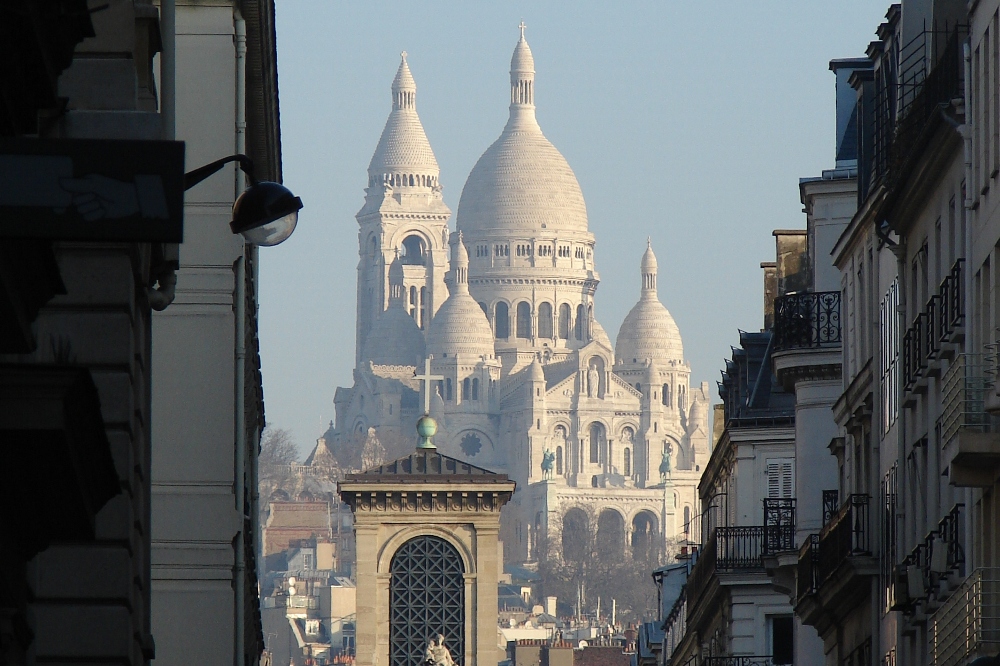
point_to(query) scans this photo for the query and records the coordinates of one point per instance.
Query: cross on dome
(403, 55)
(522, 26)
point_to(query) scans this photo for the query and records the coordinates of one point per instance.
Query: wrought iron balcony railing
(807, 579)
(966, 384)
(967, 626)
(831, 504)
(779, 525)
(739, 547)
(847, 535)
(807, 320)
(940, 322)
(737, 661)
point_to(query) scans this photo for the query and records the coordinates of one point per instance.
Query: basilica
(599, 438)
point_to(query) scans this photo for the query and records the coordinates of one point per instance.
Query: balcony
(836, 565)
(970, 435)
(729, 550)
(807, 321)
(935, 334)
(779, 525)
(737, 661)
(967, 626)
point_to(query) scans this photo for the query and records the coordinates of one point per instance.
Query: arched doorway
(426, 598)
(575, 535)
(644, 541)
(610, 544)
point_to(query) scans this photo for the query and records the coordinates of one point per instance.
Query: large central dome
(522, 182)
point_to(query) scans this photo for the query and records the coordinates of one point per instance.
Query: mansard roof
(427, 466)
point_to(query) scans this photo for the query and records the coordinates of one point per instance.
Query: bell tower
(403, 213)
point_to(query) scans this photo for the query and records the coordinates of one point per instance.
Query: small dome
(460, 325)
(395, 339)
(600, 335)
(649, 332)
(535, 372)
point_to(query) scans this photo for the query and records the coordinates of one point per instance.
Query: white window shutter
(781, 477)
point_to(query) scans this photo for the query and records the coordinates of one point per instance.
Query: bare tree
(277, 455)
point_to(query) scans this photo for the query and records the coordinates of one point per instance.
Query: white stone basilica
(504, 310)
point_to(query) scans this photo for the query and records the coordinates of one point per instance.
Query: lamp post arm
(192, 178)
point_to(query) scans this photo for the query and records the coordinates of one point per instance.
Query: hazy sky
(690, 122)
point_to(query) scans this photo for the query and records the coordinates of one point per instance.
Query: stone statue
(593, 382)
(437, 654)
(665, 464)
(372, 453)
(548, 461)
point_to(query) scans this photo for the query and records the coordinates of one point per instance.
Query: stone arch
(413, 249)
(575, 535)
(393, 543)
(545, 320)
(645, 528)
(609, 542)
(501, 320)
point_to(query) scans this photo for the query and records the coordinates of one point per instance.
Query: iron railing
(737, 661)
(807, 320)
(950, 536)
(847, 535)
(942, 319)
(966, 385)
(831, 504)
(702, 571)
(779, 525)
(967, 626)
(807, 579)
(739, 547)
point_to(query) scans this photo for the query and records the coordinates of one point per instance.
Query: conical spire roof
(403, 148)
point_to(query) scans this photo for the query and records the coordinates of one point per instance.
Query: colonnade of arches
(403, 180)
(543, 323)
(607, 537)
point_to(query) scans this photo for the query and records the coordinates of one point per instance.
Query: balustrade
(779, 525)
(847, 535)
(807, 320)
(807, 578)
(933, 329)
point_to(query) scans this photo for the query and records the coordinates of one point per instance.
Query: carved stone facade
(522, 366)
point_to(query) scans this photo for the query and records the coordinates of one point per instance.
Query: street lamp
(265, 214)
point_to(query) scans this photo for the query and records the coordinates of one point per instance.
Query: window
(447, 388)
(579, 322)
(502, 325)
(423, 307)
(889, 332)
(781, 477)
(628, 462)
(475, 388)
(307, 561)
(564, 314)
(545, 320)
(666, 395)
(782, 631)
(466, 389)
(524, 319)
(559, 461)
(412, 251)
(687, 520)
(596, 440)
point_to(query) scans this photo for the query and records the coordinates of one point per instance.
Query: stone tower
(403, 211)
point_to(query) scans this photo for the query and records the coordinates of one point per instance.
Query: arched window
(524, 319)
(681, 397)
(559, 463)
(475, 388)
(628, 462)
(564, 313)
(412, 251)
(596, 440)
(666, 395)
(579, 322)
(447, 389)
(466, 389)
(502, 321)
(687, 520)
(545, 320)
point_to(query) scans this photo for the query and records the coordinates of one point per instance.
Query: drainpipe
(239, 311)
(166, 278)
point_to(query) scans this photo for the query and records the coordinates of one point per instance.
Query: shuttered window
(780, 477)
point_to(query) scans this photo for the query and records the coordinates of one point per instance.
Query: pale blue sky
(690, 122)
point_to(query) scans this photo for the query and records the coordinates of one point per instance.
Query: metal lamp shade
(266, 213)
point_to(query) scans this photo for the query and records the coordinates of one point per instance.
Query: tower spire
(404, 88)
(648, 269)
(460, 262)
(522, 76)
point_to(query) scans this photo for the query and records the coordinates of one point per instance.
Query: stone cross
(522, 27)
(427, 378)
